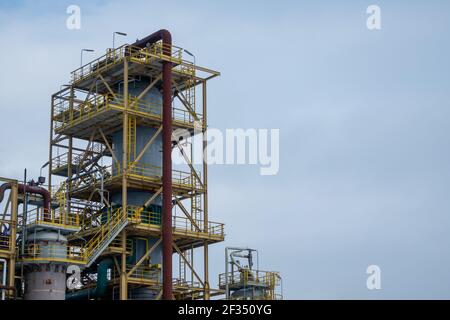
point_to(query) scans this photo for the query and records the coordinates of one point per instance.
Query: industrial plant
(115, 219)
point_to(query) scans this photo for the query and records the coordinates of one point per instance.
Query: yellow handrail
(103, 233)
(57, 217)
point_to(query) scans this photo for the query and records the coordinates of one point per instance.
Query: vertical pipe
(206, 293)
(4, 271)
(166, 38)
(69, 175)
(123, 280)
(167, 169)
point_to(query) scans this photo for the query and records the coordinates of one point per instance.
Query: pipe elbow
(166, 36)
(3, 188)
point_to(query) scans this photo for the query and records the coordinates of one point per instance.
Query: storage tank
(46, 280)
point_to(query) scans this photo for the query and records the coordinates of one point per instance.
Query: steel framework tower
(111, 140)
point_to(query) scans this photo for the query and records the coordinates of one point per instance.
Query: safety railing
(140, 171)
(62, 160)
(144, 272)
(117, 244)
(180, 224)
(149, 218)
(98, 65)
(146, 170)
(183, 224)
(146, 55)
(180, 178)
(52, 252)
(216, 228)
(67, 115)
(179, 283)
(157, 51)
(144, 106)
(246, 277)
(63, 107)
(185, 116)
(54, 217)
(57, 252)
(5, 242)
(104, 233)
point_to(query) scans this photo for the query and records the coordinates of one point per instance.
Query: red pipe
(167, 250)
(28, 189)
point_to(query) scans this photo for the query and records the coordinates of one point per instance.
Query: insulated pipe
(4, 271)
(101, 285)
(28, 189)
(166, 38)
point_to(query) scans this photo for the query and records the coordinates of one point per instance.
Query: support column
(123, 274)
(123, 268)
(70, 152)
(12, 260)
(206, 293)
(69, 176)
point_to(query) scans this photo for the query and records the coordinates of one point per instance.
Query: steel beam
(123, 269)
(153, 197)
(147, 145)
(145, 256)
(13, 233)
(182, 207)
(147, 89)
(108, 146)
(188, 264)
(106, 85)
(206, 293)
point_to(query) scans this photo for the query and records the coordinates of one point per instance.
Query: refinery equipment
(243, 282)
(115, 212)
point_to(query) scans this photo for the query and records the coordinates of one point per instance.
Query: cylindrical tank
(143, 294)
(150, 164)
(46, 280)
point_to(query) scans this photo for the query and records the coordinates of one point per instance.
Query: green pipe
(102, 283)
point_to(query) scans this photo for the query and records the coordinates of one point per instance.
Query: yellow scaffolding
(91, 110)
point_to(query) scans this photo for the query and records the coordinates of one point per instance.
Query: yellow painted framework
(268, 280)
(89, 110)
(8, 243)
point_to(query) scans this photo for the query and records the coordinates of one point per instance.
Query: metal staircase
(104, 236)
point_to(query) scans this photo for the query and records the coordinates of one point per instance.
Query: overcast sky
(363, 115)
